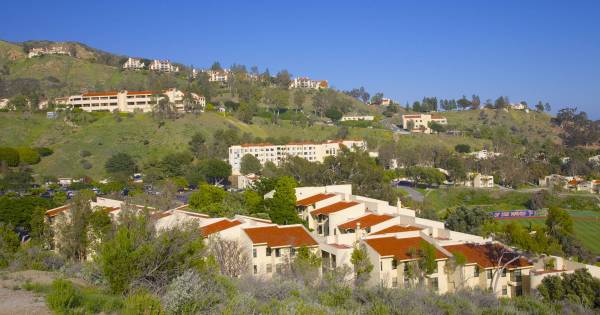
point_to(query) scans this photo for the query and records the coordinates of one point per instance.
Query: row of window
(269, 252)
(269, 268)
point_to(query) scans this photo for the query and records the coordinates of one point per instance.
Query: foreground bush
(142, 303)
(63, 297)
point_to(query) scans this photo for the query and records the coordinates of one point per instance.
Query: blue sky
(526, 50)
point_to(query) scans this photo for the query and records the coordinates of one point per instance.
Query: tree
(464, 103)
(462, 148)
(333, 113)
(9, 243)
(436, 127)
(306, 265)
(362, 265)
(501, 102)
(120, 164)
(579, 287)
(230, 256)
(299, 97)
(475, 102)
(206, 196)
(198, 145)
(19, 103)
(72, 228)
(539, 106)
(282, 207)
(175, 164)
(468, 220)
(216, 66)
(215, 171)
(250, 165)
(283, 79)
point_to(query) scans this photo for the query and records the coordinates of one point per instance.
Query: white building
(477, 180)
(420, 122)
(218, 75)
(307, 83)
(163, 66)
(133, 64)
(266, 152)
(54, 50)
(127, 101)
(484, 154)
(358, 118)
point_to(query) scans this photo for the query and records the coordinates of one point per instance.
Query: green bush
(63, 297)
(142, 303)
(44, 151)
(28, 156)
(9, 156)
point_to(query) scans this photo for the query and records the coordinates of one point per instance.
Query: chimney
(399, 206)
(358, 231)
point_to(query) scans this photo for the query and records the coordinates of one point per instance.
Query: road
(413, 193)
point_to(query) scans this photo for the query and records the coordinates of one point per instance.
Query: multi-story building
(221, 75)
(484, 154)
(133, 64)
(266, 152)
(421, 122)
(127, 101)
(477, 180)
(54, 50)
(307, 83)
(163, 66)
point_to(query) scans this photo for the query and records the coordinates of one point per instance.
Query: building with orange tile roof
(421, 122)
(307, 83)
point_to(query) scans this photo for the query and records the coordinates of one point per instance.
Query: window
(489, 274)
(277, 252)
(254, 254)
(292, 252)
(394, 264)
(269, 268)
(394, 282)
(406, 282)
(433, 282)
(476, 272)
(278, 268)
(504, 290)
(268, 251)
(255, 269)
(519, 290)
(503, 274)
(516, 276)
(406, 267)
(380, 265)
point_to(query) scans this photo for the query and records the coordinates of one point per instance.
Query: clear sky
(526, 50)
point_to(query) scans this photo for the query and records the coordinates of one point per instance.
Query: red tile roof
(397, 229)
(160, 214)
(399, 247)
(313, 199)
(487, 255)
(218, 227)
(365, 221)
(110, 93)
(142, 92)
(56, 211)
(335, 207)
(280, 236)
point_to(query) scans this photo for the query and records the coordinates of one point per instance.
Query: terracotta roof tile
(56, 211)
(399, 247)
(486, 255)
(397, 229)
(335, 207)
(365, 221)
(280, 236)
(218, 227)
(313, 199)
(110, 93)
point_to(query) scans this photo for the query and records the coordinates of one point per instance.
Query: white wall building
(357, 118)
(307, 83)
(484, 154)
(218, 75)
(133, 64)
(420, 122)
(477, 180)
(127, 101)
(54, 50)
(163, 66)
(266, 152)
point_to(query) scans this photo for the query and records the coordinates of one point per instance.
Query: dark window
(394, 264)
(277, 252)
(268, 251)
(476, 272)
(255, 269)
(254, 252)
(489, 274)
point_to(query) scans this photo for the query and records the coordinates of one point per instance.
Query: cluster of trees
(431, 104)
(13, 157)
(555, 237)
(577, 128)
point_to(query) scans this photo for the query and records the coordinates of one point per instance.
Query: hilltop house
(54, 50)
(221, 75)
(307, 83)
(163, 66)
(357, 118)
(484, 154)
(133, 64)
(477, 180)
(421, 122)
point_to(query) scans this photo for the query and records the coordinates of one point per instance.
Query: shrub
(44, 151)
(84, 153)
(9, 156)
(9, 243)
(85, 164)
(462, 148)
(28, 156)
(142, 303)
(63, 297)
(193, 293)
(34, 257)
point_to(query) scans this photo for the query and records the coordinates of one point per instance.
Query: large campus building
(127, 101)
(307, 83)
(393, 236)
(311, 151)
